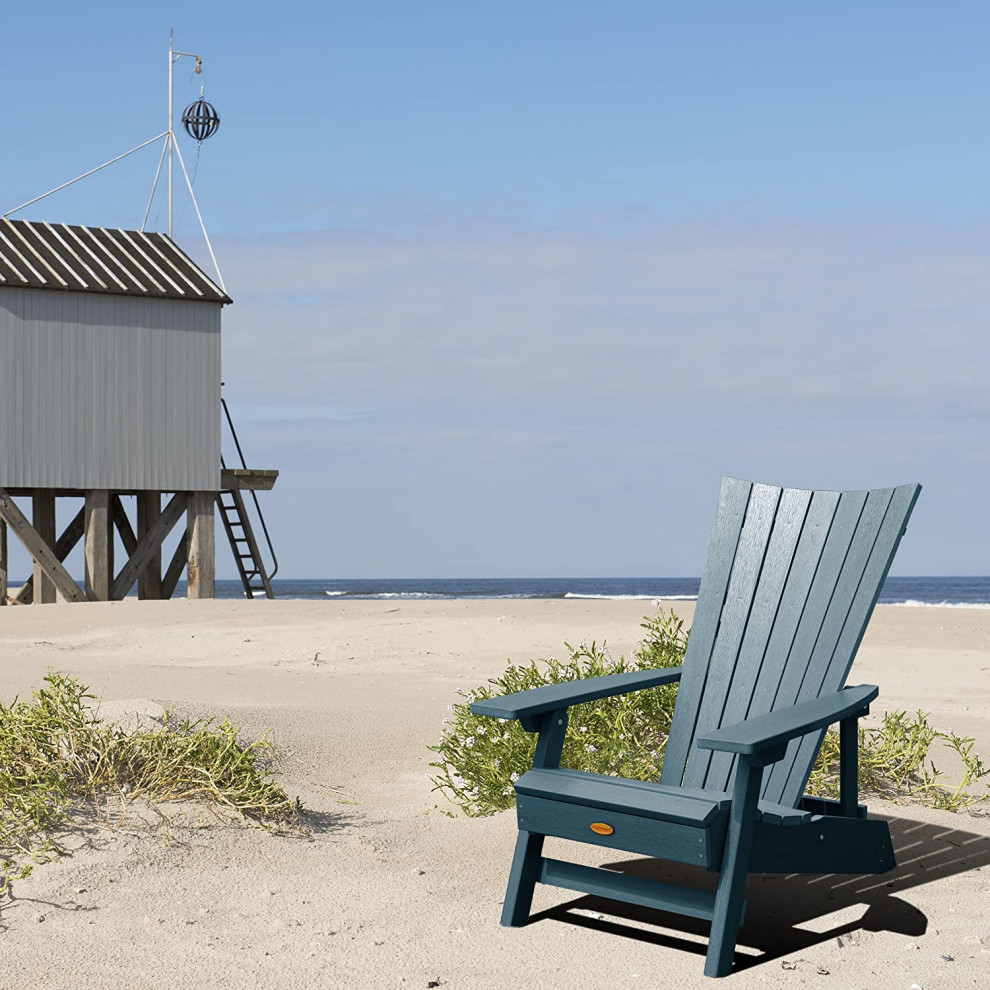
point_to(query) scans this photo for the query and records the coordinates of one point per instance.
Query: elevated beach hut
(110, 387)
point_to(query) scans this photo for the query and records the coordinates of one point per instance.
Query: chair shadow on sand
(925, 853)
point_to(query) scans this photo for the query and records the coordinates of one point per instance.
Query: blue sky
(516, 284)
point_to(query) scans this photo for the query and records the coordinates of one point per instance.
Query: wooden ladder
(247, 556)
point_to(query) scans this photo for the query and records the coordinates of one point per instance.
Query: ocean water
(960, 592)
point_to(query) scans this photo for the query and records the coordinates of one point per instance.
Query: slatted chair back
(789, 586)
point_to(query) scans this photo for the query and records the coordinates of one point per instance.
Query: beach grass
(56, 754)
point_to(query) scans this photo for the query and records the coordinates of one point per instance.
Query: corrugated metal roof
(94, 259)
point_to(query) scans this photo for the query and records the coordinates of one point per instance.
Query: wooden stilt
(3, 563)
(44, 525)
(149, 508)
(99, 545)
(65, 545)
(201, 569)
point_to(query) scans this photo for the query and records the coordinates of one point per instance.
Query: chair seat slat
(658, 801)
(649, 799)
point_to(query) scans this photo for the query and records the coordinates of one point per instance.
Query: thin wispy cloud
(787, 311)
(584, 378)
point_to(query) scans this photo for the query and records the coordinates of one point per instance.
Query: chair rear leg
(522, 879)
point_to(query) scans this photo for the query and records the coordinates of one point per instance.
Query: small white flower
(459, 691)
(584, 728)
(482, 730)
(469, 741)
(591, 749)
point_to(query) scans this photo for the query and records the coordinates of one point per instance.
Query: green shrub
(55, 752)
(894, 763)
(479, 758)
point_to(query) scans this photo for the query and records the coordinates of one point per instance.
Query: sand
(391, 892)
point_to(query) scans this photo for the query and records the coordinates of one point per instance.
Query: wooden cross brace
(176, 566)
(46, 556)
(63, 547)
(149, 544)
(140, 552)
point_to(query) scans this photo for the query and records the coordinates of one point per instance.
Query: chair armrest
(755, 736)
(554, 697)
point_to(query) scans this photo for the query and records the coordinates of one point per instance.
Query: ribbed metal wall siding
(100, 391)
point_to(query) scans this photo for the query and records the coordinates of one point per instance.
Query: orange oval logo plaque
(601, 828)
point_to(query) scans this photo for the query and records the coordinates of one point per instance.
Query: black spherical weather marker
(200, 120)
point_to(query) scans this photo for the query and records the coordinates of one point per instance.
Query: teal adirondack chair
(789, 586)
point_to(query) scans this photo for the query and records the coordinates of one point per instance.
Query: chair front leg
(522, 879)
(552, 727)
(528, 857)
(735, 862)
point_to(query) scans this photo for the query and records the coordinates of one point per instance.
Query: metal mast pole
(170, 139)
(170, 147)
